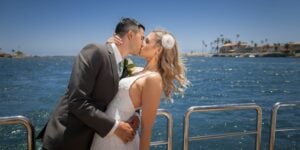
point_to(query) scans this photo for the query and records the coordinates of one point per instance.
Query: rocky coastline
(14, 54)
(266, 54)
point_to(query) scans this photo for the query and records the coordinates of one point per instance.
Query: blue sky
(63, 27)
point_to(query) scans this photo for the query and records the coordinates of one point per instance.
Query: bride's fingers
(117, 37)
(117, 40)
(110, 40)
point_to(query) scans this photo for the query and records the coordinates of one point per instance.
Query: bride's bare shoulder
(154, 78)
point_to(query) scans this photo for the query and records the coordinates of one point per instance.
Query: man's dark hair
(127, 24)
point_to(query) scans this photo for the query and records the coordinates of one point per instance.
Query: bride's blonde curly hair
(170, 66)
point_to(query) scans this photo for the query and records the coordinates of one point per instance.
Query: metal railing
(25, 122)
(210, 108)
(169, 117)
(31, 141)
(274, 118)
(30, 129)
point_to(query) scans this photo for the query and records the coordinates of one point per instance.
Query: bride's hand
(125, 132)
(115, 39)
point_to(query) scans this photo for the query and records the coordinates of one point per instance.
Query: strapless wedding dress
(120, 108)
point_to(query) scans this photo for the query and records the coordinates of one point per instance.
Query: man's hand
(134, 122)
(125, 132)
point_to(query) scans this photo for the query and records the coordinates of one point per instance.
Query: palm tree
(276, 47)
(217, 42)
(211, 45)
(252, 42)
(262, 47)
(222, 38)
(239, 44)
(212, 49)
(227, 41)
(203, 45)
(267, 47)
(287, 46)
(266, 40)
(255, 46)
(237, 37)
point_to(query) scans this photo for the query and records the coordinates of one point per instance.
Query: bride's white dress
(120, 108)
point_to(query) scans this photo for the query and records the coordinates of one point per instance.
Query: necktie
(120, 68)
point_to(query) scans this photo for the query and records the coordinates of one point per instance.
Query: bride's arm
(151, 93)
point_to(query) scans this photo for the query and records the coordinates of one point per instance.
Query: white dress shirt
(118, 58)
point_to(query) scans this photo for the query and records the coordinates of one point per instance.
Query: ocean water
(32, 87)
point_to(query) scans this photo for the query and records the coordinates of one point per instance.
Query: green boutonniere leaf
(129, 66)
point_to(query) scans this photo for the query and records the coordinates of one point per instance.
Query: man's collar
(117, 53)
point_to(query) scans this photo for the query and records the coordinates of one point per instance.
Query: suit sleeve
(88, 64)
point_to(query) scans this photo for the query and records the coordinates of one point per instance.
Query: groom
(92, 85)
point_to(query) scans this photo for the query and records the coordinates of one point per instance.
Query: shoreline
(242, 55)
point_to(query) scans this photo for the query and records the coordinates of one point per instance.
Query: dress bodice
(121, 107)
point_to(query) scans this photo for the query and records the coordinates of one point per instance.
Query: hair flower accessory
(168, 41)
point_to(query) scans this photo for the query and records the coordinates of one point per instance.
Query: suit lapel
(113, 65)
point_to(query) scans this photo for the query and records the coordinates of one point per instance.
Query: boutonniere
(129, 65)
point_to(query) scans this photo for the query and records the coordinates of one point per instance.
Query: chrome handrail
(169, 117)
(210, 108)
(25, 122)
(273, 129)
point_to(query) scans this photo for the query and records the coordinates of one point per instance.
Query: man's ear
(129, 34)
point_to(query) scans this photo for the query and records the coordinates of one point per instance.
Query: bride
(144, 89)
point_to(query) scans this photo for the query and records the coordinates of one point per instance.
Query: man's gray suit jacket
(93, 84)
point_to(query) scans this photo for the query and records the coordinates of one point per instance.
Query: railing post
(210, 108)
(258, 127)
(186, 126)
(26, 123)
(169, 117)
(273, 123)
